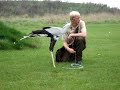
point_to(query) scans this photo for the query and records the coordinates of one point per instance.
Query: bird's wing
(57, 31)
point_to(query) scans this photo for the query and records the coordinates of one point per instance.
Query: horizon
(110, 3)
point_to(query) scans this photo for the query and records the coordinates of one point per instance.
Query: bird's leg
(52, 44)
(53, 61)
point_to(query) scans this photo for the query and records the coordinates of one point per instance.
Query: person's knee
(81, 43)
(81, 38)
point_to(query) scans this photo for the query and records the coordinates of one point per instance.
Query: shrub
(10, 35)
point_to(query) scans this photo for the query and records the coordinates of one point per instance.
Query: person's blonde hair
(74, 13)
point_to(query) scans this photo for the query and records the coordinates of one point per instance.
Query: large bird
(53, 32)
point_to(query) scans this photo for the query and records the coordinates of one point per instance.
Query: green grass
(31, 69)
(9, 36)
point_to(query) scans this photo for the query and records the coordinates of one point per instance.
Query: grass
(31, 69)
(62, 19)
(10, 35)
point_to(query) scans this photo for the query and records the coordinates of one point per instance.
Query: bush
(10, 35)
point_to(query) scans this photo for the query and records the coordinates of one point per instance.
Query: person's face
(75, 19)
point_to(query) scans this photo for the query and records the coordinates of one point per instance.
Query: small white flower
(99, 54)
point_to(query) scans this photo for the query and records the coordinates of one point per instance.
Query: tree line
(39, 8)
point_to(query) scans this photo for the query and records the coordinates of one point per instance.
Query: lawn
(31, 69)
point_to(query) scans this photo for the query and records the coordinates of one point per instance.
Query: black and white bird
(53, 32)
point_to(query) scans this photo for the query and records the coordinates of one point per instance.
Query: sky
(110, 3)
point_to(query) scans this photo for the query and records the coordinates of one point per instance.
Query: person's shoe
(75, 64)
(79, 62)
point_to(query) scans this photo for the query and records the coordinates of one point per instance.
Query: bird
(53, 32)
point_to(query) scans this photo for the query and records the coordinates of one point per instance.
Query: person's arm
(66, 46)
(70, 50)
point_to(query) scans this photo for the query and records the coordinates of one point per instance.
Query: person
(74, 40)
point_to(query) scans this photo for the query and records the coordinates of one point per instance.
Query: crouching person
(74, 40)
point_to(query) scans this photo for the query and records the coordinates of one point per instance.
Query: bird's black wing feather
(46, 28)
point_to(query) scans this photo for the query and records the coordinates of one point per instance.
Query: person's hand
(70, 36)
(70, 50)
(70, 40)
